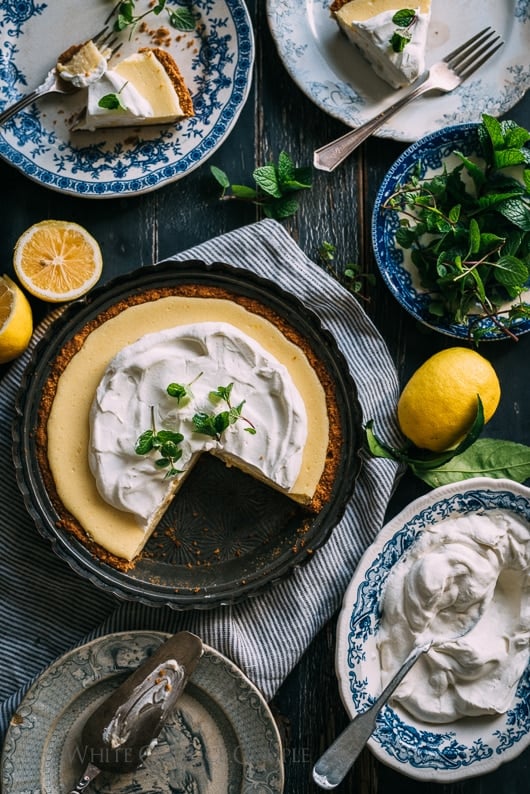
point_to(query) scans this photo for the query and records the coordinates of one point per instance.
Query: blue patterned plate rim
(428, 155)
(332, 73)
(440, 753)
(216, 60)
(231, 731)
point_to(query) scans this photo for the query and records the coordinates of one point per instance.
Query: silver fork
(53, 83)
(444, 76)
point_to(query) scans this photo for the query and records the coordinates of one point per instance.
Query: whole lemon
(16, 320)
(439, 403)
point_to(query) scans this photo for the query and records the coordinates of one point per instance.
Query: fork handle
(328, 157)
(23, 102)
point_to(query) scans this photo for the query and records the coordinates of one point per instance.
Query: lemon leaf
(488, 457)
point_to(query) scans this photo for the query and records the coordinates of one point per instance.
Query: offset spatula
(118, 736)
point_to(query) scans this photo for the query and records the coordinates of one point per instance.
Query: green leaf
(220, 176)
(511, 271)
(281, 208)
(244, 192)
(112, 102)
(144, 443)
(494, 130)
(286, 170)
(266, 178)
(177, 390)
(182, 19)
(221, 422)
(507, 158)
(169, 437)
(404, 17)
(398, 42)
(474, 237)
(488, 457)
(516, 211)
(474, 171)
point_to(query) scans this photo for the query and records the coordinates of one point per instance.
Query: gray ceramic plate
(221, 739)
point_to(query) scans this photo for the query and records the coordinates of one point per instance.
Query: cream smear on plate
(474, 565)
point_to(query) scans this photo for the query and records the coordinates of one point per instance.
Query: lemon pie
(227, 356)
(145, 88)
(392, 38)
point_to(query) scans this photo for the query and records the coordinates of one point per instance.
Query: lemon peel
(16, 320)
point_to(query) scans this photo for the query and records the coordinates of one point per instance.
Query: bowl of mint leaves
(451, 230)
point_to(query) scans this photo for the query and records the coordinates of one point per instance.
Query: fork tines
(464, 60)
(107, 39)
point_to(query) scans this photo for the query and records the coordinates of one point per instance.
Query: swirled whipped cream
(132, 396)
(371, 30)
(473, 567)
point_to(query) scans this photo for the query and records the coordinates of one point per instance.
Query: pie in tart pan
(226, 535)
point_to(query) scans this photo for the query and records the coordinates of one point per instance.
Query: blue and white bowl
(425, 158)
(443, 752)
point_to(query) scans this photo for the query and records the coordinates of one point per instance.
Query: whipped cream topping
(133, 391)
(133, 103)
(373, 37)
(475, 567)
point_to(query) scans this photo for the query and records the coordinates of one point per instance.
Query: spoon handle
(87, 777)
(333, 765)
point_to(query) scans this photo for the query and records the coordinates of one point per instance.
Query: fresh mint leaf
(182, 19)
(398, 41)
(276, 186)
(286, 169)
(244, 192)
(112, 102)
(281, 208)
(404, 17)
(516, 211)
(266, 177)
(220, 176)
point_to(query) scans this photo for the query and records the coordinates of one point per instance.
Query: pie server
(122, 731)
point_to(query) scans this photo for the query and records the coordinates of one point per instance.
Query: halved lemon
(16, 320)
(57, 260)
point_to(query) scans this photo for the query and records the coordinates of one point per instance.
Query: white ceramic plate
(215, 58)
(332, 73)
(220, 738)
(441, 753)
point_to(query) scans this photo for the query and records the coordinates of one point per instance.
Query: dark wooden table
(140, 230)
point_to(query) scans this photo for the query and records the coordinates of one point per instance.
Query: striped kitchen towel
(45, 608)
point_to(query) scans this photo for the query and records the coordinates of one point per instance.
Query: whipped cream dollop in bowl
(455, 566)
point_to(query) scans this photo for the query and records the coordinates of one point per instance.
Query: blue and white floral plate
(424, 158)
(215, 58)
(332, 73)
(441, 753)
(221, 736)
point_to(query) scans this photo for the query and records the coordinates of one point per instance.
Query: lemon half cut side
(57, 260)
(16, 320)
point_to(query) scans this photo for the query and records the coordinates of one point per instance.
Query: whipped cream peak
(205, 356)
(466, 583)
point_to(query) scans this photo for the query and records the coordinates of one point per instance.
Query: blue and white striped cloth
(45, 608)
